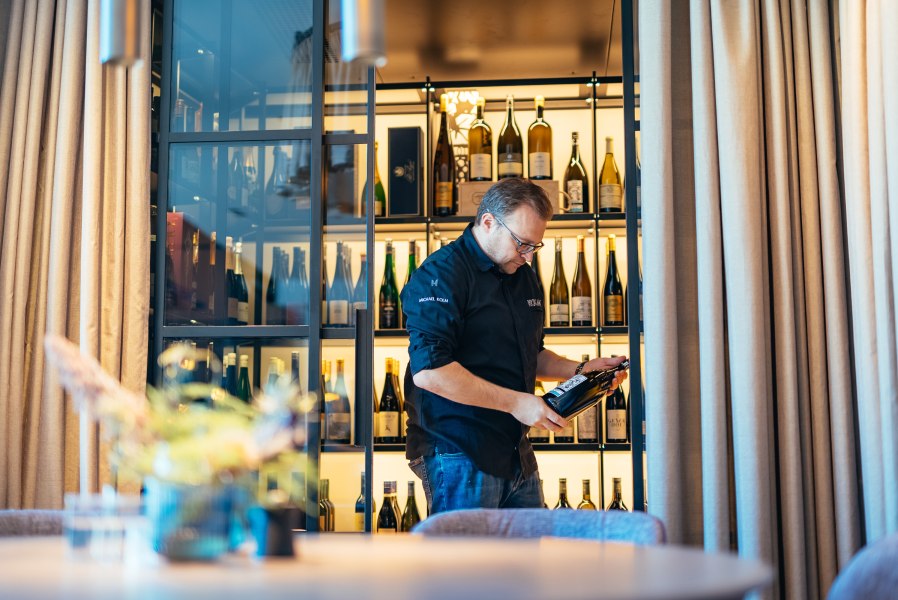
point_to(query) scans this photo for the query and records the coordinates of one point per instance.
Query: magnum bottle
(609, 181)
(581, 291)
(412, 267)
(410, 516)
(576, 183)
(559, 307)
(578, 393)
(388, 413)
(586, 503)
(387, 518)
(240, 289)
(510, 147)
(337, 411)
(562, 495)
(539, 144)
(616, 418)
(613, 291)
(480, 147)
(388, 307)
(340, 293)
(617, 497)
(443, 169)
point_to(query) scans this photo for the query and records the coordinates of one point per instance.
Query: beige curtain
(74, 202)
(749, 390)
(869, 87)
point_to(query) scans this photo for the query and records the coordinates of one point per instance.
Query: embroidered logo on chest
(535, 302)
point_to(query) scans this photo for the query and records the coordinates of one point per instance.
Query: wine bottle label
(511, 164)
(537, 434)
(616, 424)
(338, 312)
(243, 312)
(481, 166)
(540, 164)
(581, 308)
(610, 196)
(388, 423)
(232, 308)
(566, 386)
(574, 189)
(558, 313)
(567, 432)
(586, 425)
(360, 521)
(614, 309)
(338, 426)
(443, 197)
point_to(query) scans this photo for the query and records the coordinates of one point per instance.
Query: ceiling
(500, 39)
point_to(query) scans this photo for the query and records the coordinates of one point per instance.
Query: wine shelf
(537, 447)
(341, 448)
(236, 332)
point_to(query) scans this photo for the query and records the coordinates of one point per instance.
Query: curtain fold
(74, 190)
(759, 311)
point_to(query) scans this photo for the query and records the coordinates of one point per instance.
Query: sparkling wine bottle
(581, 391)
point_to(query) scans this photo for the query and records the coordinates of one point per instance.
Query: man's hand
(532, 410)
(600, 363)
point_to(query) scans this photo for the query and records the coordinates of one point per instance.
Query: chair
(871, 574)
(634, 527)
(30, 522)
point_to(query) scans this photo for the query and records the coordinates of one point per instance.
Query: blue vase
(189, 522)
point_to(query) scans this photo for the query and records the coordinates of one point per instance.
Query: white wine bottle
(576, 183)
(586, 503)
(539, 144)
(613, 291)
(340, 295)
(562, 495)
(510, 147)
(443, 169)
(610, 181)
(338, 412)
(581, 291)
(559, 307)
(388, 414)
(480, 147)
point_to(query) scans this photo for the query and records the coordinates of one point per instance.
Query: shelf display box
(405, 172)
(470, 193)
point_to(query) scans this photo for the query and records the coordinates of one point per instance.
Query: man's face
(499, 241)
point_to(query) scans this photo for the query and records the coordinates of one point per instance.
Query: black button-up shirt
(460, 307)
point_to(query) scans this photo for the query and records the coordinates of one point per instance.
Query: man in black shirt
(475, 320)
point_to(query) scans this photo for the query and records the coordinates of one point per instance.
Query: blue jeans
(451, 481)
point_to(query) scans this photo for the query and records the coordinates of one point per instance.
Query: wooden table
(356, 567)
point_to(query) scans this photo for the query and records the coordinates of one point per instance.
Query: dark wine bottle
(581, 291)
(340, 293)
(294, 288)
(576, 183)
(388, 419)
(212, 280)
(617, 497)
(443, 169)
(562, 495)
(231, 370)
(581, 391)
(613, 291)
(480, 147)
(273, 315)
(410, 270)
(303, 293)
(240, 289)
(616, 418)
(559, 307)
(360, 507)
(326, 516)
(586, 503)
(325, 289)
(360, 293)
(510, 147)
(387, 518)
(244, 389)
(388, 307)
(539, 144)
(230, 283)
(338, 414)
(410, 516)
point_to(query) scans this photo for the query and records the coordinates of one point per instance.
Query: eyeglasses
(523, 248)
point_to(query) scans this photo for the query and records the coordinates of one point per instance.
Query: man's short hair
(504, 197)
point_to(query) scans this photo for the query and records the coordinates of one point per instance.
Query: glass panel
(242, 65)
(226, 200)
(345, 83)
